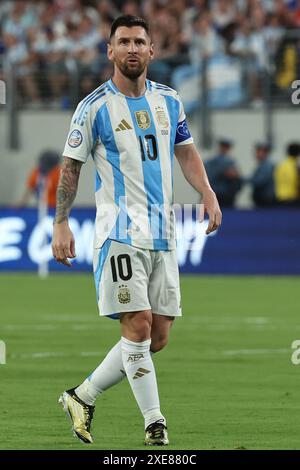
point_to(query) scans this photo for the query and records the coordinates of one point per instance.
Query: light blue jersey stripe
(113, 157)
(102, 257)
(92, 98)
(95, 138)
(151, 172)
(97, 277)
(173, 110)
(162, 87)
(95, 132)
(86, 101)
(98, 182)
(149, 84)
(86, 110)
(112, 86)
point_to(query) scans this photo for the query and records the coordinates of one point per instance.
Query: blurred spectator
(205, 42)
(52, 50)
(223, 174)
(50, 43)
(287, 59)
(21, 17)
(273, 32)
(223, 13)
(258, 48)
(287, 180)
(170, 46)
(189, 13)
(43, 179)
(262, 180)
(23, 59)
(131, 7)
(297, 13)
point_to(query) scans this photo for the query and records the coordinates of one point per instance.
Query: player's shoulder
(162, 89)
(92, 102)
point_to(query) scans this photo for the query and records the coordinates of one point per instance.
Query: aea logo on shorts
(75, 138)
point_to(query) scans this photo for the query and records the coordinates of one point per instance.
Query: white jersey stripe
(131, 167)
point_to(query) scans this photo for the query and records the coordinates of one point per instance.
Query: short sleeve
(81, 139)
(183, 135)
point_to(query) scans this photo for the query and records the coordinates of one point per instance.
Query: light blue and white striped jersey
(132, 143)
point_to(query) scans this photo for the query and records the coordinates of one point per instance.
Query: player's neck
(131, 88)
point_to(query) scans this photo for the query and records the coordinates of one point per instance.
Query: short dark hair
(293, 149)
(129, 21)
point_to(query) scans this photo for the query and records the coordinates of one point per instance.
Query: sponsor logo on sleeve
(183, 129)
(75, 138)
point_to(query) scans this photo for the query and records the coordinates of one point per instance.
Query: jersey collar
(116, 90)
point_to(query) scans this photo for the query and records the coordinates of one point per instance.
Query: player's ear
(151, 51)
(110, 52)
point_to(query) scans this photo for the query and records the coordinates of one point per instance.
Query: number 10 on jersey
(148, 146)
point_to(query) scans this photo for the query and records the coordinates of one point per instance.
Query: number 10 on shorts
(121, 267)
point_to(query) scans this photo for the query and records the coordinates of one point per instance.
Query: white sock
(141, 375)
(108, 373)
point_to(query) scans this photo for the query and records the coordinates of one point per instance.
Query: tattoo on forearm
(67, 188)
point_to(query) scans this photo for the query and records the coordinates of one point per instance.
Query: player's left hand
(211, 206)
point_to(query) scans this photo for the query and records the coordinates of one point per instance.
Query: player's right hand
(63, 243)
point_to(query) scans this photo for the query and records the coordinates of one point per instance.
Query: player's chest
(137, 126)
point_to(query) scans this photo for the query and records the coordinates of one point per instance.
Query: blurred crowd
(271, 184)
(51, 41)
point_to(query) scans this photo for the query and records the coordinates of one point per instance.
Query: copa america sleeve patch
(182, 132)
(75, 138)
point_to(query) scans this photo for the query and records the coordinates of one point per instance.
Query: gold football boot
(80, 414)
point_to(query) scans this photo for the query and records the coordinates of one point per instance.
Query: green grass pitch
(226, 379)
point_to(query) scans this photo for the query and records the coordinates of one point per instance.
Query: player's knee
(157, 344)
(137, 326)
(142, 330)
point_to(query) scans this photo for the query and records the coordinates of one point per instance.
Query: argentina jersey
(132, 142)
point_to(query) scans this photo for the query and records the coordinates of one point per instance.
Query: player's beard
(132, 72)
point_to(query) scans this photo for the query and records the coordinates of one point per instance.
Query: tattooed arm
(63, 244)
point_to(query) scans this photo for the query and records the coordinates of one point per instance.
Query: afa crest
(162, 117)
(143, 119)
(124, 295)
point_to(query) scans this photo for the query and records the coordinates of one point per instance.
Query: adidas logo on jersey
(123, 126)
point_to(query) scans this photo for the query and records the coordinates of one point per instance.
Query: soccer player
(132, 127)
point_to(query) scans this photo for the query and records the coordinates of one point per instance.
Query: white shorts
(129, 279)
